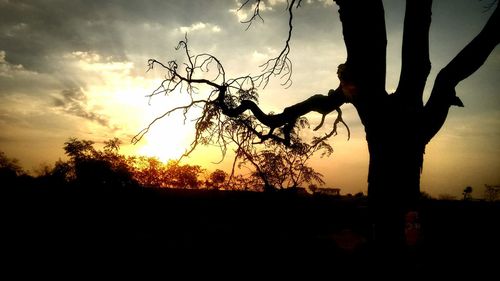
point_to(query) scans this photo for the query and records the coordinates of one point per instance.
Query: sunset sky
(77, 68)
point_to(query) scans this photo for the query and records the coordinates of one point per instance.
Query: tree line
(90, 167)
(273, 168)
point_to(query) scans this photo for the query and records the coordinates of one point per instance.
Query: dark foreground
(240, 235)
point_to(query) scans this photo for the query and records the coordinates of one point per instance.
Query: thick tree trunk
(396, 150)
(392, 122)
(393, 188)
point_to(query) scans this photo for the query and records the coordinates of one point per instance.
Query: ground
(221, 233)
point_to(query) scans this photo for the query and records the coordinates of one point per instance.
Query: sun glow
(115, 91)
(167, 140)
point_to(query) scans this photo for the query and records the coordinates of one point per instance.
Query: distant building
(329, 191)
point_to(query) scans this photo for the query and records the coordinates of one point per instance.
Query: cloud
(33, 33)
(74, 102)
(7, 69)
(244, 11)
(200, 26)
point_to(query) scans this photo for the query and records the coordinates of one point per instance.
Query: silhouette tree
(467, 193)
(244, 182)
(491, 192)
(149, 172)
(398, 125)
(182, 176)
(9, 167)
(281, 167)
(91, 168)
(10, 172)
(216, 179)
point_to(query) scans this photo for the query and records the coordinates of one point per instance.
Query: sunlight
(117, 93)
(166, 141)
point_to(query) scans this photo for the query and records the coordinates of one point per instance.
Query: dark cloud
(74, 102)
(35, 33)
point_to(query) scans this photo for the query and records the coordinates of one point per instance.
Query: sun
(121, 95)
(168, 139)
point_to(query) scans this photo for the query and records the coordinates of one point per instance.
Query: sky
(77, 68)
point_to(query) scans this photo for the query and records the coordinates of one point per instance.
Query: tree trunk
(396, 148)
(393, 188)
(393, 123)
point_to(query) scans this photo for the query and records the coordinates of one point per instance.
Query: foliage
(9, 166)
(91, 167)
(149, 171)
(216, 179)
(467, 193)
(281, 167)
(11, 173)
(104, 167)
(182, 176)
(492, 192)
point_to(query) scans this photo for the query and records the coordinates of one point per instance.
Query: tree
(398, 125)
(9, 166)
(467, 193)
(182, 176)
(93, 168)
(10, 171)
(281, 167)
(491, 192)
(216, 179)
(149, 172)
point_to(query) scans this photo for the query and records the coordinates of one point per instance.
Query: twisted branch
(234, 103)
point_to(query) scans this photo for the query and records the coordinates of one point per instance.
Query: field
(216, 233)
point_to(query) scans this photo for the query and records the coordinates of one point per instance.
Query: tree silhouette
(467, 193)
(91, 168)
(149, 172)
(9, 166)
(216, 179)
(10, 171)
(398, 125)
(491, 192)
(281, 167)
(182, 176)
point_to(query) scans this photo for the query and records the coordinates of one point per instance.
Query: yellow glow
(115, 92)
(166, 141)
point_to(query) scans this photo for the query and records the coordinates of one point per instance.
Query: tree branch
(280, 66)
(317, 103)
(233, 104)
(415, 65)
(443, 94)
(363, 27)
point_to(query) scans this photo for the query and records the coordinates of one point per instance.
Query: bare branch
(184, 108)
(279, 66)
(255, 15)
(469, 60)
(232, 106)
